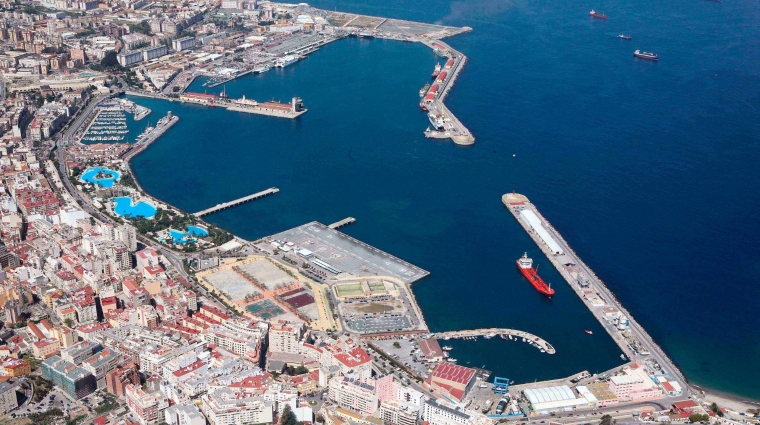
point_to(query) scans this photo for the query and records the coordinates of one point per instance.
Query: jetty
(534, 340)
(447, 124)
(346, 221)
(230, 204)
(631, 337)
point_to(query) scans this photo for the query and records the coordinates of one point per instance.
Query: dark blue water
(647, 169)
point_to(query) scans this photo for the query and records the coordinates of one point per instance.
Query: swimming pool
(182, 238)
(125, 207)
(90, 176)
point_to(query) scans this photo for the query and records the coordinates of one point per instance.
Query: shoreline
(720, 396)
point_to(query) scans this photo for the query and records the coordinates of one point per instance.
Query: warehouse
(535, 224)
(548, 399)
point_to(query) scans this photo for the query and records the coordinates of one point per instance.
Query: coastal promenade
(534, 340)
(636, 344)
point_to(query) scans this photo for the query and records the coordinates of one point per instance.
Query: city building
(354, 395)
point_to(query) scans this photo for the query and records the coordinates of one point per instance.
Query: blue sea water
(125, 206)
(90, 176)
(647, 169)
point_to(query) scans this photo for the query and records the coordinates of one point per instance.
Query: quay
(534, 340)
(161, 127)
(344, 222)
(445, 123)
(241, 105)
(230, 204)
(635, 342)
(227, 80)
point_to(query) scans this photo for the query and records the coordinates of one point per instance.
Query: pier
(635, 342)
(265, 108)
(344, 222)
(503, 333)
(230, 204)
(450, 126)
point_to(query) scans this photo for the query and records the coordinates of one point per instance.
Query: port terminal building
(535, 223)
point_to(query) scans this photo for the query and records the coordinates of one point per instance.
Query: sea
(648, 169)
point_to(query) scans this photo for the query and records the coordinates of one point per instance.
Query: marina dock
(230, 204)
(632, 339)
(344, 222)
(534, 340)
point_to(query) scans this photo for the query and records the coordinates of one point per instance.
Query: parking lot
(405, 354)
(379, 323)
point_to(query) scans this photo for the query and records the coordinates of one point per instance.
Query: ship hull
(535, 280)
(649, 58)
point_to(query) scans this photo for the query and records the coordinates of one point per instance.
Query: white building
(399, 413)
(354, 395)
(183, 415)
(228, 407)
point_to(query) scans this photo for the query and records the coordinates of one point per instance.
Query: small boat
(622, 356)
(645, 55)
(595, 14)
(450, 360)
(424, 90)
(446, 348)
(624, 37)
(588, 332)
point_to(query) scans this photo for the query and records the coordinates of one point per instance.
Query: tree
(396, 345)
(697, 417)
(288, 417)
(110, 61)
(68, 322)
(607, 420)
(143, 27)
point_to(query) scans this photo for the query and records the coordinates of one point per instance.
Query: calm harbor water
(647, 169)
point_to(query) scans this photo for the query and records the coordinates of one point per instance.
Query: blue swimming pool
(125, 207)
(182, 238)
(197, 231)
(91, 176)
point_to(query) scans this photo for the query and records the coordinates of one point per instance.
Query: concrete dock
(344, 222)
(534, 340)
(433, 100)
(230, 204)
(229, 105)
(633, 340)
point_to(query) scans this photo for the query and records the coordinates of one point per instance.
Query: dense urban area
(117, 308)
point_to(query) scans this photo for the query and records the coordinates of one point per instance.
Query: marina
(505, 334)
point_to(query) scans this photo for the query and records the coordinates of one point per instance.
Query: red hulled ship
(597, 15)
(525, 265)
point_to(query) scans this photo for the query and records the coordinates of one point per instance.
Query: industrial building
(535, 223)
(548, 399)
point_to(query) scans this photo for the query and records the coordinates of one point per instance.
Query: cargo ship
(624, 37)
(436, 71)
(424, 90)
(597, 15)
(646, 55)
(525, 265)
(436, 121)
